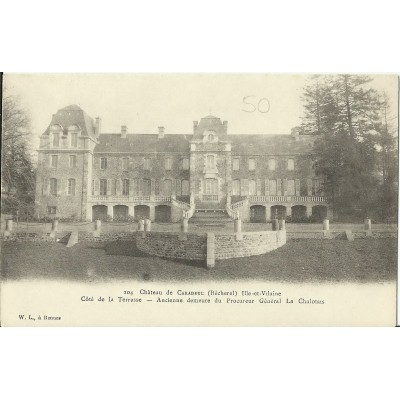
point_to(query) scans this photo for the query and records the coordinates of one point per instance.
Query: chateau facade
(85, 174)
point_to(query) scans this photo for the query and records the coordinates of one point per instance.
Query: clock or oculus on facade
(210, 136)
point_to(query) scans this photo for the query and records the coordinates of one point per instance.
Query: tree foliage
(356, 148)
(17, 178)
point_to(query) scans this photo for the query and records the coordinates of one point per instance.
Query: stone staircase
(210, 217)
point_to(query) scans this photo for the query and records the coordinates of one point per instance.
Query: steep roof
(72, 115)
(142, 143)
(241, 144)
(270, 144)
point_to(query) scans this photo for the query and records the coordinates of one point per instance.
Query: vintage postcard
(199, 200)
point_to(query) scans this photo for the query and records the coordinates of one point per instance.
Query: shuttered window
(125, 187)
(103, 187)
(71, 187)
(53, 186)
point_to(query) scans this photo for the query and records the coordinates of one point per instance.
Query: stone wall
(173, 245)
(250, 244)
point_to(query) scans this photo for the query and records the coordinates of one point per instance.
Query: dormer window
(210, 137)
(271, 164)
(56, 139)
(74, 139)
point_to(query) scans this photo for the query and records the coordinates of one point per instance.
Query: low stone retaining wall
(339, 235)
(105, 237)
(173, 245)
(37, 237)
(250, 244)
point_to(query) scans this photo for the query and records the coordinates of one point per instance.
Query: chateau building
(86, 174)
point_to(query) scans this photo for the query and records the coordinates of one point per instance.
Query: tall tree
(346, 122)
(17, 177)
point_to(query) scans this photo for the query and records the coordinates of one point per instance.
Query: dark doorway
(121, 213)
(257, 214)
(299, 213)
(142, 212)
(163, 214)
(319, 213)
(99, 212)
(278, 212)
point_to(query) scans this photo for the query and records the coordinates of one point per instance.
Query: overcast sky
(144, 102)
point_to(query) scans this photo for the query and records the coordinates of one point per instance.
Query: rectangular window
(71, 187)
(52, 210)
(252, 164)
(56, 139)
(185, 188)
(185, 164)
(125, 187)
(290, 187)
(103, 187)
(252, 187)
(236, 164)
(236, 187)
(146, 187)
(125, 163)
(103, 163)
(210, 162)
(147, 164)
(53, 186)
(74, 140)
(54, 161)
(290, 164)
(168, 164)
(272, 188)
(72, 161)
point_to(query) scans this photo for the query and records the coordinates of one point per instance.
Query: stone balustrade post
(54, 225)
(367, 224)
(97, 225)
(147, 225)
(141, 225)
(184, 225)
(325, 224)
(9, 225)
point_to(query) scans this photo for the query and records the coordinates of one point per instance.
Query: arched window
(290, 164)
(185, 188)
(252, 187)
(236, 187)
(71, 187)
(211, 137)
(210, 161)
(271, 164)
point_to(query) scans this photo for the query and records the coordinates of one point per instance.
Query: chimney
(295, 133)
(97, 129)
(195, 123)
(225, 125)
(124, 131)
(161, 132)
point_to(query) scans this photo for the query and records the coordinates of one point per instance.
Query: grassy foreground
(364, 260)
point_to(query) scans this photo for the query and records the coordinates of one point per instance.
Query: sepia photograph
(199, 199)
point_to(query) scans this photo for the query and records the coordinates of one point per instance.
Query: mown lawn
(363, 260)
